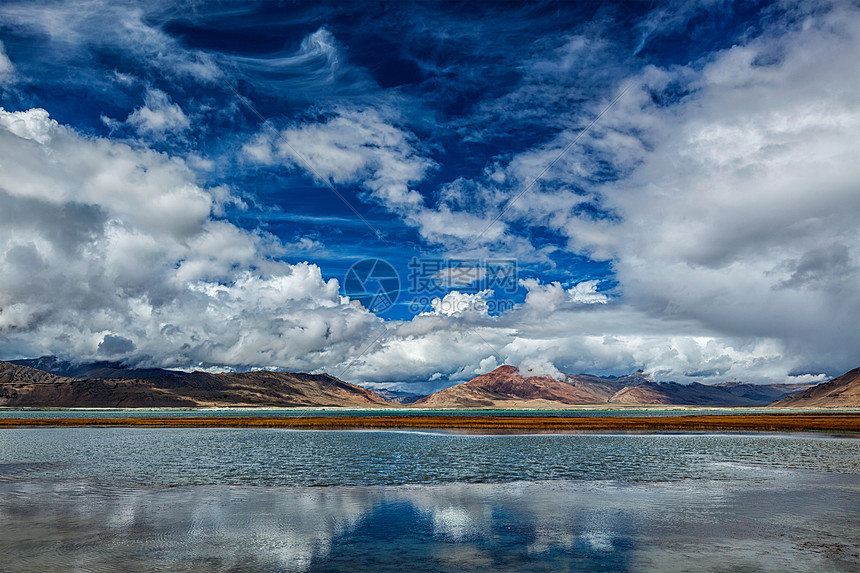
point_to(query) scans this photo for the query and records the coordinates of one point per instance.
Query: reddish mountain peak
(506, 375)
(501, 374)
(506, 369)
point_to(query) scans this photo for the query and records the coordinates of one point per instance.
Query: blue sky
(702, 228)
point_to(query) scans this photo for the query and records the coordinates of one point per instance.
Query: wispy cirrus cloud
(7, 69)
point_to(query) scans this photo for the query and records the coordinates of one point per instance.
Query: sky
(409, 194)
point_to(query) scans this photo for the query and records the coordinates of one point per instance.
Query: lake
(203, 499)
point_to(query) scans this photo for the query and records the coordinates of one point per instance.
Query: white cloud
(368, 148)
(543, 298)
(34, 124)
(459, 276)
(674, 16)
(318, 71)
(456, 303)
(74, 28)
(159, 117)
(352, 146)
(742, 216)
(733, 220)
(586, 293)
(112, 251)
(611, 339)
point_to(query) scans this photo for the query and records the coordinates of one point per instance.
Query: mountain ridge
(504, 387)
(23, 386)
(507, 387)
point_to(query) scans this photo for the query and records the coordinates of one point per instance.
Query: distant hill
(398, 396)
(22, 386)
(841, 392)
(695, 394)
(506, 387)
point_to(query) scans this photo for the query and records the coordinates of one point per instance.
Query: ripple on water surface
(102, 499)
(183, 456)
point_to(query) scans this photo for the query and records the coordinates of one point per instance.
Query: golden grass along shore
(776, 422)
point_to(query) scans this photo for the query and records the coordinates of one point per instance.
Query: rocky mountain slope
(841, 392)
(22, 386)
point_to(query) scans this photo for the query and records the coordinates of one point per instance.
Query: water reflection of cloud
(555, 525)
(580, 515)
(225, 527)
(290, 529)
(453, 522)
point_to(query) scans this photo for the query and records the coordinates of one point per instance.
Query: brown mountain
(506, 387)
(841, 392)
(21, 386)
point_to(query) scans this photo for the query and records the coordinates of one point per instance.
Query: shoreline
(407, 409)
(776, 422)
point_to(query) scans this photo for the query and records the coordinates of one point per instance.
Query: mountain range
(507, 387)
(50, 382)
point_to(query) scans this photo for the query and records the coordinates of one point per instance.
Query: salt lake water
(210, 499)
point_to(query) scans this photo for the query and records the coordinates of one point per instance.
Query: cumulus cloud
(159, 116)
(549, 298)
(112, 251)
(543, 298)
(739, 216)
(586, 293)
(456, 303)
(594, 338)
(352, 146)
(729, 222)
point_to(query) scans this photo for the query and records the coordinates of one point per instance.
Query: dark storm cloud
(112, 345)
